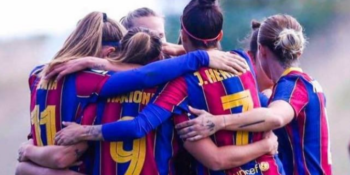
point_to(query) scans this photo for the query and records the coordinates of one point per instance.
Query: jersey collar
(290, 69)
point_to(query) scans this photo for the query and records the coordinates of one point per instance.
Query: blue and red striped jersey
(304, 142)
(127, 156)
(219, 92)
(64, 100)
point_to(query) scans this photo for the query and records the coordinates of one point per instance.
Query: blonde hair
(139, 46)
(283, 35)
(87, 38)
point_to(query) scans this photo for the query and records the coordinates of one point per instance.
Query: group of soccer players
(118, 99)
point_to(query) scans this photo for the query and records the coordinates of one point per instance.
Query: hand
(69, 135)
(23, 150)
(75, 65)
(272, 142)
(227, 61)
(173, 49)
(203, 126)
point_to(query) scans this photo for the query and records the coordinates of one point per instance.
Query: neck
(276, 70)
(192, 48)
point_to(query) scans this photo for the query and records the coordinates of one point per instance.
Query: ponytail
(139, 46)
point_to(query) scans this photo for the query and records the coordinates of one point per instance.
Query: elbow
(139, 134)
(19, 169)
(219, 165)
(216, 164)
(61, 162)
(276, 121)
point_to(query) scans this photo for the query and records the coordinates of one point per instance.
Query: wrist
(220, 121)
(89, 63)
(83, 134)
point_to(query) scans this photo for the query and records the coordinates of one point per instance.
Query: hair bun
(290, 41)
(255, 24)
(207, 3)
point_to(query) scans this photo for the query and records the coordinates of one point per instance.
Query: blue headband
(111, 43)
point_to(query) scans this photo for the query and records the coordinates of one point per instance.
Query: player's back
(131, 156)
(57, 101)
(220, 92)
(305, 140)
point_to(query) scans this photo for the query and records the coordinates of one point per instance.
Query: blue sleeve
(264, 100)
(154, 74)
(149, 119)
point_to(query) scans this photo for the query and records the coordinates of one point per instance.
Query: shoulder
(36, 70)
(90, 81)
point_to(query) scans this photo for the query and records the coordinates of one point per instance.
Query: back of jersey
(130, 156)
(220, 92)
(46, 104)
(57, 101)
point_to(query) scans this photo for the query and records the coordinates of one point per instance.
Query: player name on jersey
(213, 76)
(134, 97)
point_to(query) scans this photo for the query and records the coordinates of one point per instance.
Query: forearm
(154, 74)
(234, 156)
(109, 65)
(56, 156)
(219, 158)
(149, 119)
(27, 168)
(256, 120)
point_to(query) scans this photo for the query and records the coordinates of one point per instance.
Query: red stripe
(213, 93)
(302, 123)
(291, 140)
(299, 98)
(112, 112)
(54, 97)
(248, 82)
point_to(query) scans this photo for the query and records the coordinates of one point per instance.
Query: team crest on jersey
(264, 166)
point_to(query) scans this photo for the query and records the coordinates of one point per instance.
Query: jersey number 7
(245, 100)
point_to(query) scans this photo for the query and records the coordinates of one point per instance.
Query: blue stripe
(163, 146)
(312, 145)
(41, 102)
(99, 115)
(69, 103)
(285, 153)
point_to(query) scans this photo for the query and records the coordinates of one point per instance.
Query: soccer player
(297, 105)
(95, 35)
(263, 81)
(147, 18)
(205, 89)
(65, 99)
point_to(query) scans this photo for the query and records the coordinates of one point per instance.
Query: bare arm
(87, 62)
(27, 168)
(226, 157)
(278, 114)
(54, 156)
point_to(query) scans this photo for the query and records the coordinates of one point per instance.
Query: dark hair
(283, 35)
(128, 20)
(201, 20)
(139, 46)
(253, 41)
